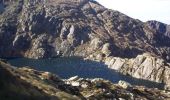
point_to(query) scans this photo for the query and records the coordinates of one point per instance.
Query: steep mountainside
(28, 84)
(41, 28)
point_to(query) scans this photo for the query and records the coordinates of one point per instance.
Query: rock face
(41, 28)
(25, 83)
(143, 66)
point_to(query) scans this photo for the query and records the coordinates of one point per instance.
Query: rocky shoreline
(52, 87)
(144, 66)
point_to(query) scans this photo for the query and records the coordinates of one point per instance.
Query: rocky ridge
(25, 83)
(41, 29)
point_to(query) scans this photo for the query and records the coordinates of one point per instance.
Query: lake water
(68, 67)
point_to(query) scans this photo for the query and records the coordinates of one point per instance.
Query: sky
(141, 9)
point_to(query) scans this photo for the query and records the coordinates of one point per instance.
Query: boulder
(106, 49)
(84, 85)
(74, 78)
(74, 83)
(124, 84)
(46, 75)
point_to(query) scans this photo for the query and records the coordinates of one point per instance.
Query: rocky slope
(50, 28)
(29, 84)
(25, 83)
(41, 28)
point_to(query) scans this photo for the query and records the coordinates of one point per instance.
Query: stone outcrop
(124, 84)
(102, 89)
(144, 66)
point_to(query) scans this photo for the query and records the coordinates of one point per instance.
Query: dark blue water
(68, 67)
